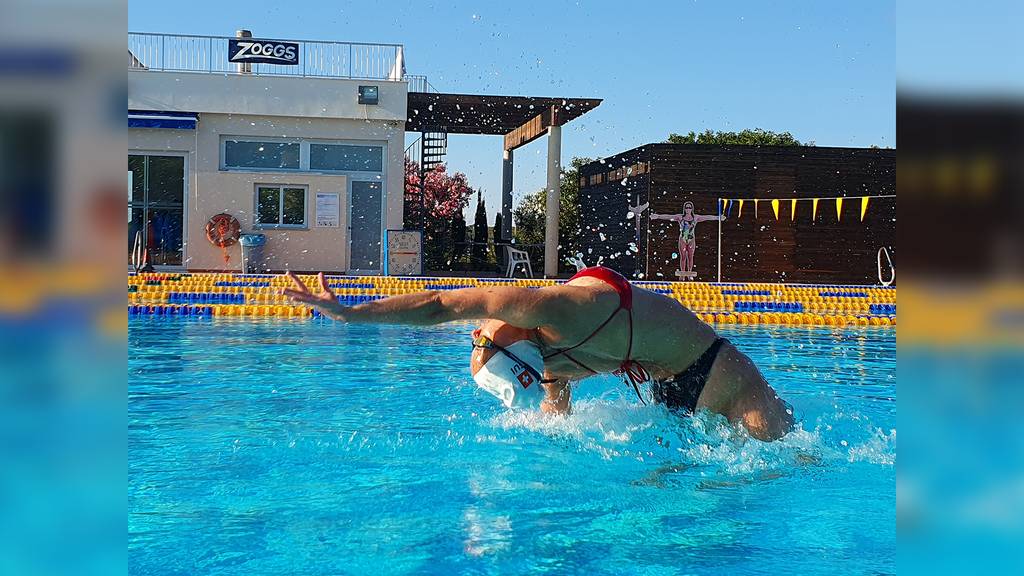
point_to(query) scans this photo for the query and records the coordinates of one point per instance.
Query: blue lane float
(349, 285)
(447, 286)
(883, 309)
(204, 298)
(745, 306)
(165, 310)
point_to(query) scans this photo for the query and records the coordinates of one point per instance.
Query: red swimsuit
(636, 373)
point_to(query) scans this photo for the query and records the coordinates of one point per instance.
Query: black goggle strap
(487, 343)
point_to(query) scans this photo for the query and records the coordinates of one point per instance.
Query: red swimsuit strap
(631, 369)
(613, 279)
(622, 288)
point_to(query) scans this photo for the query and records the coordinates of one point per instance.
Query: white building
(291, 150)
(303, 142)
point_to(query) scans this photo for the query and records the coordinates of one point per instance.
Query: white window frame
(303, 154)
(382, 144)
(257, 225)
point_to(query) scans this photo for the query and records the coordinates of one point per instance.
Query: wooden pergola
(521, 120)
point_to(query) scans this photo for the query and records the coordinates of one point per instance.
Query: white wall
(263, 95)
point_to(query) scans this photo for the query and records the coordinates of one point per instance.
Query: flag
(863, 207)
(792, 210)
(839, 209)
(739, 213)
(755, 208)
(775, 208)
(814, 209)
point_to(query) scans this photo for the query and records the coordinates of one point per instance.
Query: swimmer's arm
(673, 217)
(557, 398)
(523, 307)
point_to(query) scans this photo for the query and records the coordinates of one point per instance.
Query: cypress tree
(480, 230)
(458, 237)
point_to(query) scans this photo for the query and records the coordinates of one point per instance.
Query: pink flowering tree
(445, 196)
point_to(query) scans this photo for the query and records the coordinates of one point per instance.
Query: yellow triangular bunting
(739, 214)
(839, 209)
(863, 207)
(755, 208)
(775, 208)
(814, 209)
(792, 210)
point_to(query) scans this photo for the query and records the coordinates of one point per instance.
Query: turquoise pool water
(263, 447)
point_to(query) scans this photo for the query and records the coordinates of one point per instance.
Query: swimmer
(533, 342)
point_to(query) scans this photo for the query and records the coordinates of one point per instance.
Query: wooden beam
(527, 132)
(535, 127)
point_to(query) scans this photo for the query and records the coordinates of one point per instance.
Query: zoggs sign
(263, 51)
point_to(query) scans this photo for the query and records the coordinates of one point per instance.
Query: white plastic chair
(515, 258)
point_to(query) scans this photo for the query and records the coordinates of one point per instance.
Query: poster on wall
(328, 209)
(404, 253)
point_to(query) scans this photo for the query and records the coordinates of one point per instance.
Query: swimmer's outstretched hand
(324, 300)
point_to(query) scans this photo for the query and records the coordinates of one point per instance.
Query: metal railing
(419, 83)
(188, 53)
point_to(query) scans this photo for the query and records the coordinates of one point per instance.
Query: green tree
(444, 196)
(458, 237)
(479, 251)
(528, 219)
(529, 216)
(496, 234)
(755, 137)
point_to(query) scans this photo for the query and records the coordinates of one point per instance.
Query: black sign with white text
(263, 51)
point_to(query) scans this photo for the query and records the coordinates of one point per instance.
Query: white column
(554, 193)
(719, 206)
(506, 196)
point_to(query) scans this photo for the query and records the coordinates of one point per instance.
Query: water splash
(619, 429)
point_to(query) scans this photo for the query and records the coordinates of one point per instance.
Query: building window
(280, 206)
(270, 154)
(259, 154)
(346, 157)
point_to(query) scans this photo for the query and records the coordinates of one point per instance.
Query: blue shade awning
(159, 119)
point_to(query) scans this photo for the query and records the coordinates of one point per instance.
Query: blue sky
(824, 71)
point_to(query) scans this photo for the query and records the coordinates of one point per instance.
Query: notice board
(328, 210)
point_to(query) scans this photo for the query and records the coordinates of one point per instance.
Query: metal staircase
(434, 149)
(428, 152)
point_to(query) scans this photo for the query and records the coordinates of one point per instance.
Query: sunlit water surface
(262, 447)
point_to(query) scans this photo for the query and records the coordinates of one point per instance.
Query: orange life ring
(223, 230)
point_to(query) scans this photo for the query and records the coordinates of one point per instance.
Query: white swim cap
(504, 376)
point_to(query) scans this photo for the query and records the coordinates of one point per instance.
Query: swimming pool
(263, 446)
